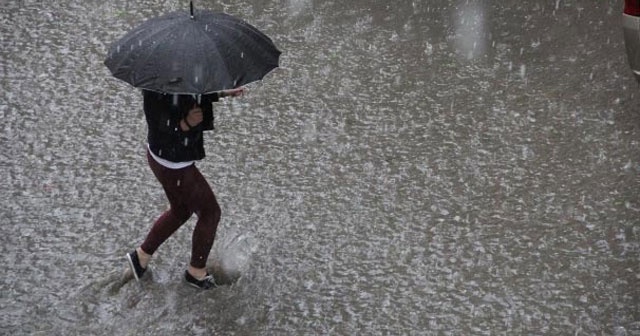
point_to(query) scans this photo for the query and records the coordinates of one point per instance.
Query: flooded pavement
(464, 168)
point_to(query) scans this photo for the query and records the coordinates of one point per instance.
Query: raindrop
(429, 49)
(168, 123)
(242, 54)
(118, 49)
(198, 71)
(186, 142)
(523, 71)
(178, 183)
(160, 152)
(139, 43)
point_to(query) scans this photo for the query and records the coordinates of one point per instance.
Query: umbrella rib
(254, 34)
(143, 61)
(217, 51)
(124, 59)
(258, 38)
(147, 25)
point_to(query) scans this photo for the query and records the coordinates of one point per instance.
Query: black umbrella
(192, 53)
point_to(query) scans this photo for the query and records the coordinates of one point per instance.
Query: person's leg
(171, 219)
(203, 202)
(161, 230)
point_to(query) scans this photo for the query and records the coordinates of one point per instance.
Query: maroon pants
(188, 192)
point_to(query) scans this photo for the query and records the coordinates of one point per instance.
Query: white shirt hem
(169, 164)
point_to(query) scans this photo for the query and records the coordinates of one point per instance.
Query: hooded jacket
(166, 139)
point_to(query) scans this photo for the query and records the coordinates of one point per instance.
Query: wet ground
(415, 167)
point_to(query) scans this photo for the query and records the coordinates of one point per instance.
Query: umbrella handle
(191, 6)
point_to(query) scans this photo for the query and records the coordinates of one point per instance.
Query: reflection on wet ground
(462, 168)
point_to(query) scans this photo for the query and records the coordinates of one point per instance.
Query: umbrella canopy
(192, 53)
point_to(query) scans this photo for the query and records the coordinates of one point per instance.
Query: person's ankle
(198, 273)
(143, 257)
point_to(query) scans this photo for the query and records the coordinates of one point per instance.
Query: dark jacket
(166, 139)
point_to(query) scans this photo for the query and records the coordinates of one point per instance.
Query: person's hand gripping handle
(193, 118)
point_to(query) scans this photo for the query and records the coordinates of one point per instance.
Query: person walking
(175, 142)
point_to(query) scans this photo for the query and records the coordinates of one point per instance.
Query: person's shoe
(134, 263)
(207, 282)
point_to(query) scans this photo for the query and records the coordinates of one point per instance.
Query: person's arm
(162, 117)
(232, 92)
(207, 105)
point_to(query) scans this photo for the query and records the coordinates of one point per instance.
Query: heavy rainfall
(412, 168)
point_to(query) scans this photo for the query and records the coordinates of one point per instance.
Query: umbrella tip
(191, 7)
